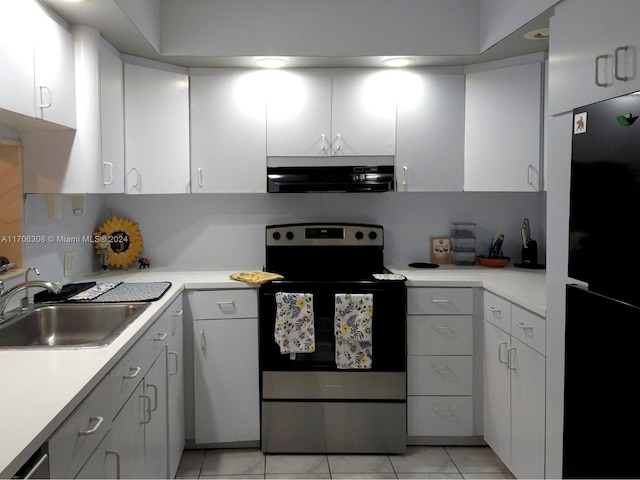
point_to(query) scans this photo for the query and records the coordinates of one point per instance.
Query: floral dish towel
(353, 319)
(294, 331)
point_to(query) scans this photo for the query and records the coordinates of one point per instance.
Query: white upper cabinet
(430, 135)
(228, 131)
(316, 113)
(54, 72)
(503, 125)
(593, 52)
(16, 58)
(156, 109)
(36, 64)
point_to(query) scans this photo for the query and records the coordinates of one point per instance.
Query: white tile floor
(418, 462)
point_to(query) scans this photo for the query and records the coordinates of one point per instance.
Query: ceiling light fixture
(539, 34)
(271, 62)
(398, 61)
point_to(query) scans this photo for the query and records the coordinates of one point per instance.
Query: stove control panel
(307, 234)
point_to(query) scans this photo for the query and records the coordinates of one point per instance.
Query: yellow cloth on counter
(255, 276)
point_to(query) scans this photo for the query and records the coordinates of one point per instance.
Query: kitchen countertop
(41, 388)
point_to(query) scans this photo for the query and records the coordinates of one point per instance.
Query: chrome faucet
(5, 296)
(24, 302)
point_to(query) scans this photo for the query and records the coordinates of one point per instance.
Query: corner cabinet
(228, 131)
(514, 386)
(503, 125)
(593, 52)
(156, 112)
(430, 133)
(226, 378)
(330, 113)
(439, 364)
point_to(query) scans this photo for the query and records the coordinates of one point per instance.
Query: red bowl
(493, 262)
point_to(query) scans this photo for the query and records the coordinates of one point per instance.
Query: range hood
(330, 174)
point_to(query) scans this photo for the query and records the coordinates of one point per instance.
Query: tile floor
(418, 462)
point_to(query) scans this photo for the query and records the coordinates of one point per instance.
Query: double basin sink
(68, 325)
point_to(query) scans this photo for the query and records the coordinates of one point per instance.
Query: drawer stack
(440, 362)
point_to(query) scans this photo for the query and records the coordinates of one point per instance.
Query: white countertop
(40, 388)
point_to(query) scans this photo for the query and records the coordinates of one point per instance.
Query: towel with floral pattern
(353, 317)
(294, 331)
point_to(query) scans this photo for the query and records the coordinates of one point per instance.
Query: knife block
(530, 253)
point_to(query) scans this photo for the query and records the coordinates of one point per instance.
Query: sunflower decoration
(118, 242)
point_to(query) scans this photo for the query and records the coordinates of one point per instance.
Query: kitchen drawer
(497, 311)
(439, 301)
(72, 444)
(440, 335)
(130, 370)
(439, 375)
(439, 416)
(529, 328)
(211, 304)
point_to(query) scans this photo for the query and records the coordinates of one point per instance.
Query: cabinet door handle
(155, 396)
(405, 175)
(104, 181)
(500, 350)
(133, 372)
(138, 184)
(146, 399)
(93, 429)
(616, 71)
(339, 140)
(529, 181)
(160, 336)
(199, 178)
(117, 455)
(510, 358)
(175, 355)
(324, 142)
(203, 342)
(597, 75)
(45, 88)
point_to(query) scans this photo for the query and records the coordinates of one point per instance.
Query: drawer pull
(177, 313)
(444, 412)
(440, 300)
(117, 455)
(445, 372)
(525, 327)
(133, 372)
(443, 329)
(93, 429)
(493, 309)
(226, 306)
(160, 336)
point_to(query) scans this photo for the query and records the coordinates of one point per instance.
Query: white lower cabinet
(439, 363)
(514, 386)
(126, 427)
(226, 380)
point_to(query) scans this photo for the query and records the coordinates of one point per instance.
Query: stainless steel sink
(68, 325)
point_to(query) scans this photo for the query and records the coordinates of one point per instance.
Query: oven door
(388, 329)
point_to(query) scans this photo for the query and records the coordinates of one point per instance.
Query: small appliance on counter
(529, 249)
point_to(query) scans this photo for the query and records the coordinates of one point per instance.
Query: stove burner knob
(359, 235)
(276, 235)
(289, 235)
(373, 235)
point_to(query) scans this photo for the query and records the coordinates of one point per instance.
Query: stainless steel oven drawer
(344, 385)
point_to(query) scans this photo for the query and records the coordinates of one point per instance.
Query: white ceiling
(126, 35)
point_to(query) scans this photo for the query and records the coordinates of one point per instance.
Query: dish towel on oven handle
(353, 320)
(294, 330)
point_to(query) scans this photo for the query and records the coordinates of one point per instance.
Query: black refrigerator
(602, 341)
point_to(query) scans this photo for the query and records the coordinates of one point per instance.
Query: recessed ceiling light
(271, 62)
(398, 61)
(539, 34)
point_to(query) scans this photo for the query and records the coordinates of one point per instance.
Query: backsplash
(227, 230)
